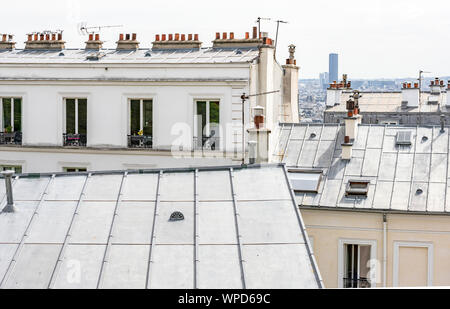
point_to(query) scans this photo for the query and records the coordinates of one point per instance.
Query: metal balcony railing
(138, 141)
(74, 140)
(361, 283)
(207, 143)
(14, 138)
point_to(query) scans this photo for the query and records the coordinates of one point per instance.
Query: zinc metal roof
(140, 56)
(396, 173)
(241, 229)
(389, 102)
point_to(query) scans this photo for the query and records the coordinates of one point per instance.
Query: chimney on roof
(127, 42)
(7, 42)
(45, 41)
(436, 86)
(258, 138)
(176, 42)
(334, 92)
(94, 42)
(230, 41)
(290, 85)
(448, 93)
(347, 148)
(410, 95)
(9, 208)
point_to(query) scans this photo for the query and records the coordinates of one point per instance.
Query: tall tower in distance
(334, 68)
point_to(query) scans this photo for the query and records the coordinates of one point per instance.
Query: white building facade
(175, 105)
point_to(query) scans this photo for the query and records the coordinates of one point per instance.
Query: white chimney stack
(410, 95)
(9, 193)
(448, 93)
(334, 93)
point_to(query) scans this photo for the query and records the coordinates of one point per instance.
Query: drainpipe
(9, 208)
(384, 250)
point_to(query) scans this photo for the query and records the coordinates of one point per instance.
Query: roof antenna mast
(83, 29)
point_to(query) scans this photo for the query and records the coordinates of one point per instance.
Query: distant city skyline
(376, 39)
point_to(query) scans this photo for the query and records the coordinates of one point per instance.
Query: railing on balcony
(74, 140)
(207, 143)
(14, 138)
(140, 141)
(361, 283)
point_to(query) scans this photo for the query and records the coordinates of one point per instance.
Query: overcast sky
(374, 38)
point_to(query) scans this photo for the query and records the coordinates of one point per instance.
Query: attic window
(404, 138)
(357, 188)
(313, 135)
(304, 181)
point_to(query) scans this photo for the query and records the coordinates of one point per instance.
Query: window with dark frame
(75, 130)
(141, 123)
(357, 266)
(207, 135)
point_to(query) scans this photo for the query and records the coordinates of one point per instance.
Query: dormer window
(357, 188)
(404, 138)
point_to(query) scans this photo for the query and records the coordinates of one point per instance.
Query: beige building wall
(418, 246)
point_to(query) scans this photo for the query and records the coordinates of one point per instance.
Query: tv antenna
(258, 20)
(244, 98)
(420, 79)
(278, 28)
(83, 29)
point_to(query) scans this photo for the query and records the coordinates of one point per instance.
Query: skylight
(305, 181)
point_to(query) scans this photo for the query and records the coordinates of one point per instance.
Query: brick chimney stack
(229, 40)
(176, 41)
(127, 42)
(45, 41)
(6, 42)
(94, 42)
(290, 84)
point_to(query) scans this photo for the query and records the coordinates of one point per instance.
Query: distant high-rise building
(334, 68)
(324, 80)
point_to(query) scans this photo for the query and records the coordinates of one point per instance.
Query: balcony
(74, 140)
(361, 283)
(140, 141)
(207, 143)
(14, 138)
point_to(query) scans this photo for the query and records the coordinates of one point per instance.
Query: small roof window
(357, 188)
(305, 181)
(404, 138)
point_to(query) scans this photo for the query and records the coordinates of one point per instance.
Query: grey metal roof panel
(114, 230)
(396, 172)
(77, 56)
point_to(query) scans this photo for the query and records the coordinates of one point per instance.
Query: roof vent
(7, 42)
(176, 216)
(127, 42)
(61, 54)
(46, 40)
(95, 57)
(228, 40)
(404, 138)
(357, 188)
(424, 139)
(176, 41)
(148, 54)
(419, 192)
(9, 192)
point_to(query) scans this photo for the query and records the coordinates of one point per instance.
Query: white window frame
(76, 113)
(141, 112)
(429, 246)
(341, 258)
(13, 102)
(207, 125)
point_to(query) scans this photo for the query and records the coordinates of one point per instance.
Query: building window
(141, 124)
(74, 169)
(16, 168)
(357, 188)
(11, 121)
(304, 181)
(207, 125)
(357, 264)
(75, 128)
